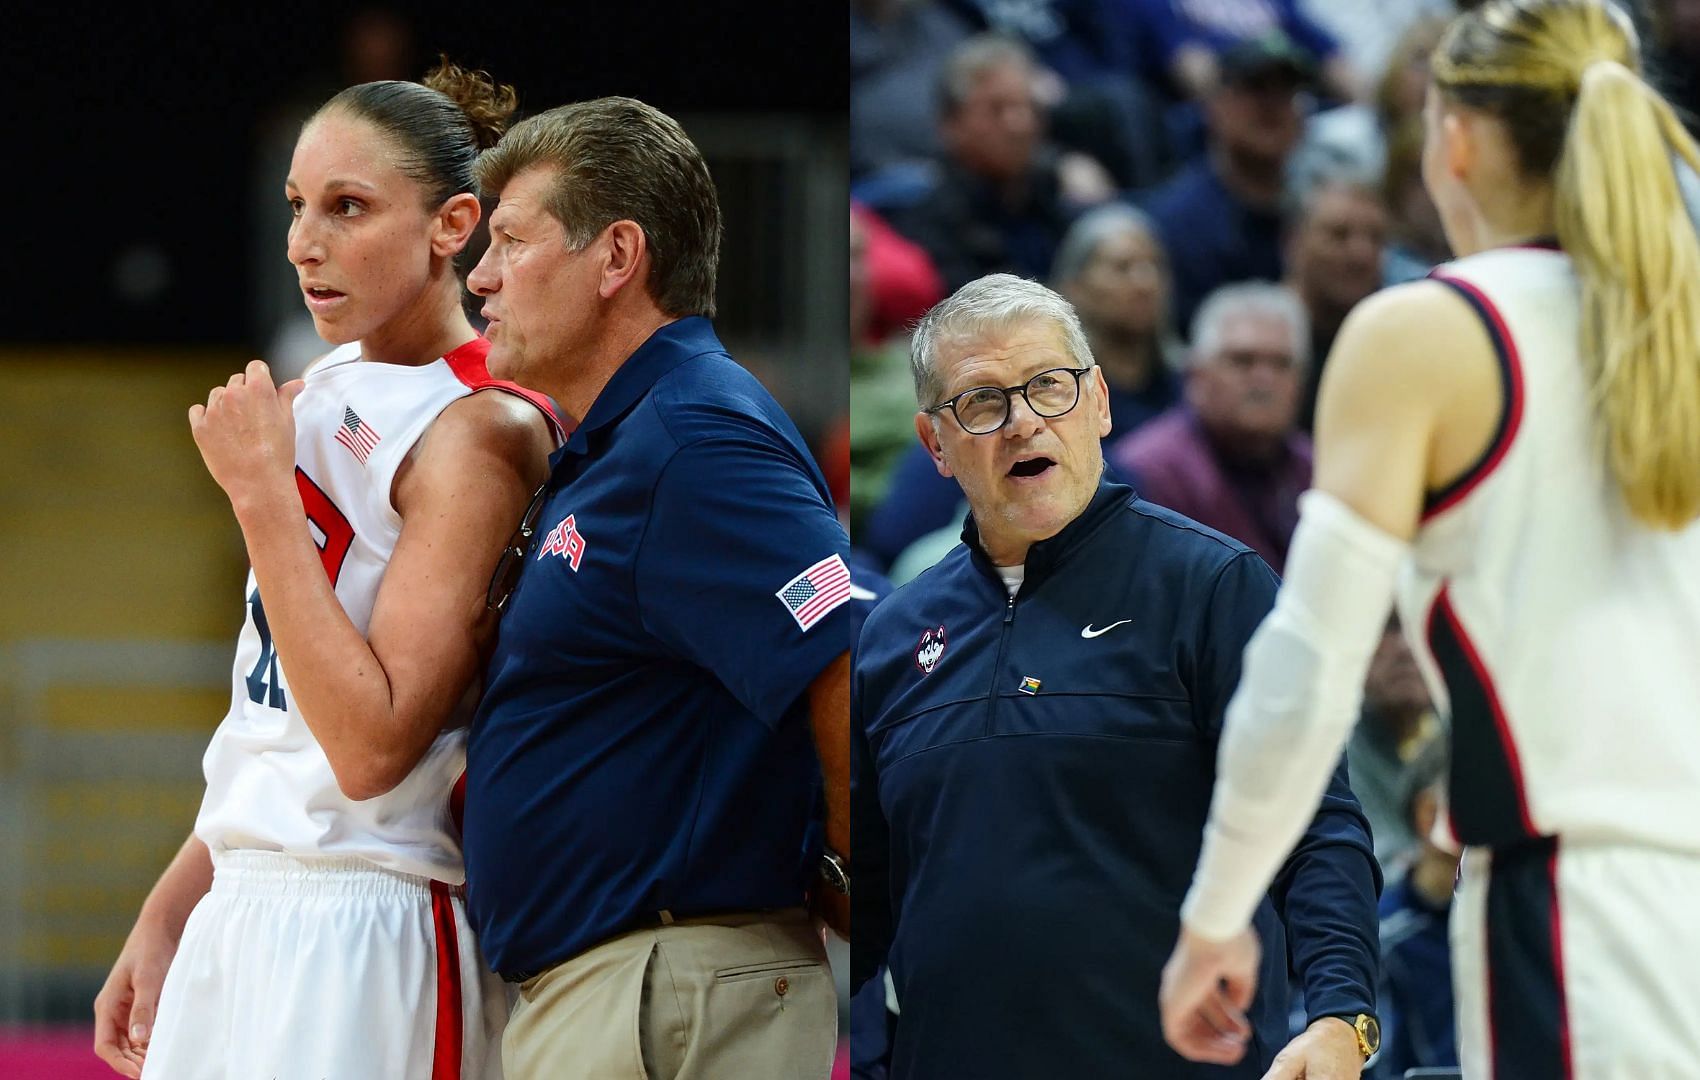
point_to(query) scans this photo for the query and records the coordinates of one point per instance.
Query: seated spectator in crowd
(1336, 235)
(1090, 51)
(1416, 243)
(1396, 721)
(902, 281)
(1414, 997)
(1371, 35)
(882, 396)
(1358, 134)
(1220, 217)
(1229, 455)
(1190, 37)
(897, 49)
(1111, 266)
(1002, 197)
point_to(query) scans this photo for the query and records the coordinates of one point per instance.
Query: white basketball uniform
(1561, 637)
(334, 941)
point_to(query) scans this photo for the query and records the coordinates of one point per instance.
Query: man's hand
(246, 434)
(125, 1007)
(1206, 989)
(1327, 1050)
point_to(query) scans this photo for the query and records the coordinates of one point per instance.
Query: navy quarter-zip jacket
(1031, 777)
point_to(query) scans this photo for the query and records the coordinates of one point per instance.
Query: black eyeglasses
(513, 558)
(982, 410)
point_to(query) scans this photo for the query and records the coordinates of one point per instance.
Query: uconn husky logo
(566, 541)
(929, 650)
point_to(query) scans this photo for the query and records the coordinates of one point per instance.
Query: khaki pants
(744, 996)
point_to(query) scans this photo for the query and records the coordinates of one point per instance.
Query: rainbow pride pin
(1029, 685)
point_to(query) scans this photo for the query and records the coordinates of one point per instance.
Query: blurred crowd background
(148, 148)
(1214, 185)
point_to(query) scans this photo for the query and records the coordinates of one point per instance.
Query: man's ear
(928, 433)
(626, 260)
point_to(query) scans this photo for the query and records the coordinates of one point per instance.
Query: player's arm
(375, 703)
(125, 1008)
(1403, 359)
(1390, 375)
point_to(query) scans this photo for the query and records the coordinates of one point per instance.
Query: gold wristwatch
(1368, 1030)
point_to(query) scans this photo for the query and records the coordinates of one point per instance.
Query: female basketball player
(328, 936)
(1513, 445)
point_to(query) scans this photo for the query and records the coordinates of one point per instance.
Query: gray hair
(1088, 234)
(972, 59)
(993, 303)
(1249, 298)
(1314, 172)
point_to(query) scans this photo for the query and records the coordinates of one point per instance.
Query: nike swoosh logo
(1087, 631)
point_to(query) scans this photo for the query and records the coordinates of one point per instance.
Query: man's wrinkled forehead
(1026, 343)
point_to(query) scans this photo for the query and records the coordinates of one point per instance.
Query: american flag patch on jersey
(357, 435)
(816, 591)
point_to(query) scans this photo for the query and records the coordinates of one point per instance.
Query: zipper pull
(1009, 612)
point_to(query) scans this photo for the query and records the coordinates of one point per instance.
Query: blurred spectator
(897, 49)
(1414, 1000)
(1002, 196)
(1336, 234)
(1191, 38)
(1371, 34)
(1111, 266)
(1395, 723)
(1230, 456)
(1221, 216)
(1416, 243)
(902, 283)
(1358, 134)
(1099, 103)
(882, 393)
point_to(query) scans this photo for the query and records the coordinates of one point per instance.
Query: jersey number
(263, 688)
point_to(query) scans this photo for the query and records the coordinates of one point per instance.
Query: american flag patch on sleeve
(816, 591)
(359, 436)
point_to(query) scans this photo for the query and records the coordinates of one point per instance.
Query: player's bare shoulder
(491, 434)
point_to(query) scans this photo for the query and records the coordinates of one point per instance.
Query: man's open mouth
(1031, 466)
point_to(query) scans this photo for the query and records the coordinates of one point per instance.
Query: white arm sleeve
(1288, 722)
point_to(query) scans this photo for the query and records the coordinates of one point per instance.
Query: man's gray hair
(1311, 173)
(1088, 234)
(1249, 298)
(972, 59)
(987, 305)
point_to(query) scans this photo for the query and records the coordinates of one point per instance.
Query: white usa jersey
(1560, 635)
(269, 785)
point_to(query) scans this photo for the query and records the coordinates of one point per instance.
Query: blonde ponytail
(1622, 218)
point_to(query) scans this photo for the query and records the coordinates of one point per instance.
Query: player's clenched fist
(246, 433)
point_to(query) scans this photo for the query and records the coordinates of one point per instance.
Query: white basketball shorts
(325, 968)
(1577, 961)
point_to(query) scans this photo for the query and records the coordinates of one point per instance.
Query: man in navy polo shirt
(641, 817)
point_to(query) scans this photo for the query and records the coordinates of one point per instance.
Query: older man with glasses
(1034, 729)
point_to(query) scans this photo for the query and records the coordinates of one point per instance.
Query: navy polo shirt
(643, 742)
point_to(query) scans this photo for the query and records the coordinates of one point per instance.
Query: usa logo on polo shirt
(566, 541)
(816, 591)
